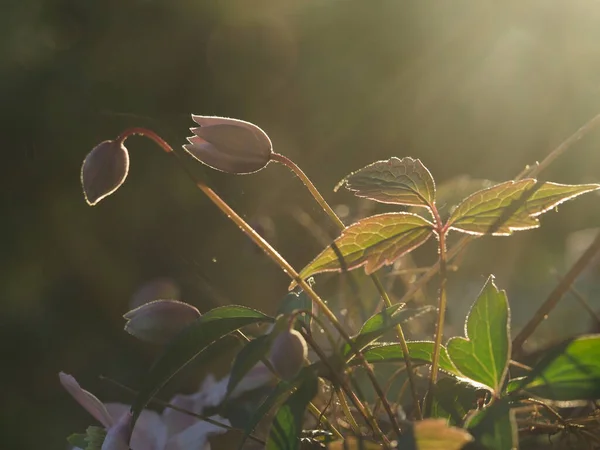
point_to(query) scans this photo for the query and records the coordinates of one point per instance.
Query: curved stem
(384, 295)
(439, 328)
(272, 253)
(138, 131)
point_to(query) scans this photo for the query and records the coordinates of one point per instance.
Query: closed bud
(104, 169)
(229, 145)
(159, 321)
(288, 353)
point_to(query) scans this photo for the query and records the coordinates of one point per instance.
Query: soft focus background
(474, 88)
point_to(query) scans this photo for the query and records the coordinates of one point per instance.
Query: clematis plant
(449, 413)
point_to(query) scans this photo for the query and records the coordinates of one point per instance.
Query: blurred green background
(478, 88)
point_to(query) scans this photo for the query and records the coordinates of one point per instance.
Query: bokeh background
(472, 88)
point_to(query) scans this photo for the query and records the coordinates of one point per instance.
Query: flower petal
(150, 431)
(89, 401)
(229, 145)
(118, 435)
(196, 436)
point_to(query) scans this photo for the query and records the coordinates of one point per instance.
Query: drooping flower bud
(229, 145)
(104, 169)
(288, 353)
(159, 321)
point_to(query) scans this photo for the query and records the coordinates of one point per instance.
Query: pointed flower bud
(288, 353)
(104, 169)
(159, 321)
(229, 145)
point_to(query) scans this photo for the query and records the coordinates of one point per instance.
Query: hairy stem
(384, 295)
(441, 316)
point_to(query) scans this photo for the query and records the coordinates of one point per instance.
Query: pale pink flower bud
(288, 353)
(229, 145)
(159, 321)
(104, 169)
(86, 399)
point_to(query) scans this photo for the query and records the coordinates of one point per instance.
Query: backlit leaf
(511, 206)
(494, 427)
(432, 434)
(380, 323)
(568, 372)
(452, 400)
(190, 343)
(286, 428)
(372, 242)
(483, 354)
(403, 181)
(435, 434)
(418, 350)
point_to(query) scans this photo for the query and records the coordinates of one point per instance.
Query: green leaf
(511, 206)
(281, 392)
(433, 434)
(246, 359)
(452, 400)
(419, 351)
(91, 440)
(483, 354)
(372, 242)
(403, 181)
(294, 301)
(77, 440)
(495, 426)
(354, 443)
(377, 325)
(190, 343)
(567, 372)
(286, 428)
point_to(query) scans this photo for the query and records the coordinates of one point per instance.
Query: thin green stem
(317, 414)
(439, 328)
(382, 292)
(342, 398)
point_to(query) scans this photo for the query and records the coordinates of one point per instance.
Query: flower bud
(159, 321)
(104, 169)
(288, 353)
(229, 145)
